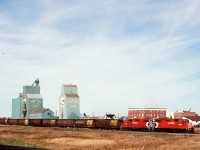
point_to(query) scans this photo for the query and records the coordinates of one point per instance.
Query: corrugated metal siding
(33, 104)
(16, 108)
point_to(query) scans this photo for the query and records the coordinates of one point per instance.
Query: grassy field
(74, 139)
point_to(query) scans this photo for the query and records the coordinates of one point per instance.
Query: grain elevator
(29, 104)
(69, 104)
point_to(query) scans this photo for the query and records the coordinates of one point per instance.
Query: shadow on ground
(8, 147)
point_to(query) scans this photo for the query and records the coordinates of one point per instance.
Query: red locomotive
(173, 125)
(158, 124)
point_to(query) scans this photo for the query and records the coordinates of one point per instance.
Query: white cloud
(118, 55)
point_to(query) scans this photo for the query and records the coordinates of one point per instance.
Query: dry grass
(197, 130)
(70, 138)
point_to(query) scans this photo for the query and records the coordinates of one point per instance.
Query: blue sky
(119, 54)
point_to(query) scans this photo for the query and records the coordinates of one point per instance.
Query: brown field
(75, 139)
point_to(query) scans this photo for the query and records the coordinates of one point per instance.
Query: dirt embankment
(71, 138)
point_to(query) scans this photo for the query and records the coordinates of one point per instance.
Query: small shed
(41, 113)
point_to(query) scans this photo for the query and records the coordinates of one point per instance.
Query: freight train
(145, 124)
